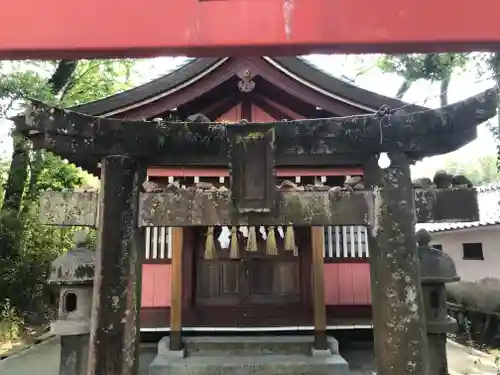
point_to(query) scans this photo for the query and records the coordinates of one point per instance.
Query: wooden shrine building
(264, 205)
(257, 290)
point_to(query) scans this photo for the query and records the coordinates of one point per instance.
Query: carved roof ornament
(246, 82)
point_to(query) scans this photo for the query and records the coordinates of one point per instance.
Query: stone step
(246, 345)
(275, 364)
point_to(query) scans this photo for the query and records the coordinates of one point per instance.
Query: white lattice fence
(158, 244)
(346, 242)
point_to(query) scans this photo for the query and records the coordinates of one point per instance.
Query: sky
(463, 85)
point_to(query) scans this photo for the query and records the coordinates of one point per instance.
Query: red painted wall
(347, 284)
(155, 285)
(258, 115)
(233, 115)
(53, 28)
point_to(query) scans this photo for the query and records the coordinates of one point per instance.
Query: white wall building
(474, 246)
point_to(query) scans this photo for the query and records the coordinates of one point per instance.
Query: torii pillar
(397, 304)
(114, 335)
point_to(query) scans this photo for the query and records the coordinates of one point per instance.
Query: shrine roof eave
(294, 67)
(419, 134)
(192, 70)
(305, 71)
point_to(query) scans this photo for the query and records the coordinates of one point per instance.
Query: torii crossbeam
(53, 29)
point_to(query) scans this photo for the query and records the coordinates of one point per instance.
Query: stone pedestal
(74, 355)
(73, 273)
(436, 269)
(259, 355)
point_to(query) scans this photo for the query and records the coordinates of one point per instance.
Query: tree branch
(74, 80)
(62, 75)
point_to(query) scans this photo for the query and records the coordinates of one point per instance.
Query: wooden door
(255, 278)
(273, 280)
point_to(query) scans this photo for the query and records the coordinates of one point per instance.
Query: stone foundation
(259, 355)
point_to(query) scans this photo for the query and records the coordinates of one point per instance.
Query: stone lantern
(436, 269)
(73, 273)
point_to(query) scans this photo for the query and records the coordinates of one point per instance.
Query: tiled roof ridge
(488, 196)
(492, 186)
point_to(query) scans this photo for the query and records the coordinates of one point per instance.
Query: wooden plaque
(251, 155)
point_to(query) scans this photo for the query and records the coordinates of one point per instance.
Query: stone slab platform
(246, 345)
(256, 355)
(284, 364)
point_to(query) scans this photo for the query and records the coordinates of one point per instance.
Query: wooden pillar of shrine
(398, 316)
(318, 288)
(176, 291)
(114, 337)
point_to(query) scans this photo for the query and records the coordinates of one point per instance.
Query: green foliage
(439, 67)
(480, 171)
(10, 324)
(42, 244)
(58, 174)
(97, 79)
(432, 66)
(92, 80)
(32, 246)
(23, 80)
(4, 172)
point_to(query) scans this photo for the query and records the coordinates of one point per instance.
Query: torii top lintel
(419, 134)
(54, 29)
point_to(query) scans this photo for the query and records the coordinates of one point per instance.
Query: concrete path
(43, 359)
(462, 360)
(466, 361)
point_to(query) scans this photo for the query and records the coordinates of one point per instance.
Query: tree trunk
(18, 172)
(443, 90)
(10, 224)
(62, 75)
(36, 167)
(495, 66)
(403, 89)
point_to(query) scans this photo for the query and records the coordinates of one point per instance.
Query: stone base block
(321, 352)
(164, 350)
(247, 345)
(69, 327)
(294, 364)
(245, 355)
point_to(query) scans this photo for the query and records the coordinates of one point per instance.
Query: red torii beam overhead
(58, 29)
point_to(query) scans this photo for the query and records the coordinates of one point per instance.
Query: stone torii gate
(389, 206)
